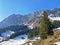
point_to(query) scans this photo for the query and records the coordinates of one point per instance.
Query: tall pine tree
(45, 26)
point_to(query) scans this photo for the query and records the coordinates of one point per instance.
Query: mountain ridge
(28, 19)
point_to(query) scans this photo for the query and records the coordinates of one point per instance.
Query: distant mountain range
(31, 19)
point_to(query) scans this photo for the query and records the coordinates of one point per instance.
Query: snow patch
(54, 18)
(7, 33)
(57, 43)
(16, 41)
(20, 37)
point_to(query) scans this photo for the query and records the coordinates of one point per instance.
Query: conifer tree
(31, 34)
(45, 26)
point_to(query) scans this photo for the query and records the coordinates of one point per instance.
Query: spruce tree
(31, 34)
(45, 26)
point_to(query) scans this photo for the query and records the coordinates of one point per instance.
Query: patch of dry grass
(50, 40)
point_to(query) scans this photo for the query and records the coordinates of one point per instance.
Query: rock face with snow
(17, 19)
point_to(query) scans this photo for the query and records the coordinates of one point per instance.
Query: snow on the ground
(35, 38)
(13, 42)
(16, 41)
(21, 36)
(54, 18)
(30, 43)
(19, 40)
(1, 38)
(57, 28)
(57, 43)
(7, 33)
(30, 27)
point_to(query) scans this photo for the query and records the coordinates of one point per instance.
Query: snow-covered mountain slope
(7, 33)
(18, 19)
(54, 18)
(16, 41)
(13, 42)
(19, 40)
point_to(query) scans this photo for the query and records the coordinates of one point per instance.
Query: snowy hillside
(19, 40)
(7, 33)
(54, 18)
(16, 41)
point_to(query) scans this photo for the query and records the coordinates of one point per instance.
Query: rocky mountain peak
(18, 19)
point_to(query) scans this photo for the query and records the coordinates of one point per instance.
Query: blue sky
(8, 7)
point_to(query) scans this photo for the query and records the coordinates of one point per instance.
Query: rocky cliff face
(32, 19)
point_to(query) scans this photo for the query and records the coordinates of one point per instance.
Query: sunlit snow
(54, 18)
(16, 41)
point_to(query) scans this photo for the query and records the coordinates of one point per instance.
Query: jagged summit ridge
(18, 19)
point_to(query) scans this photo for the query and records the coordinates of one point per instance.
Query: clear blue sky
(8, 7)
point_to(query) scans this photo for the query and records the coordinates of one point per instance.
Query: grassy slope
(50, 40)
